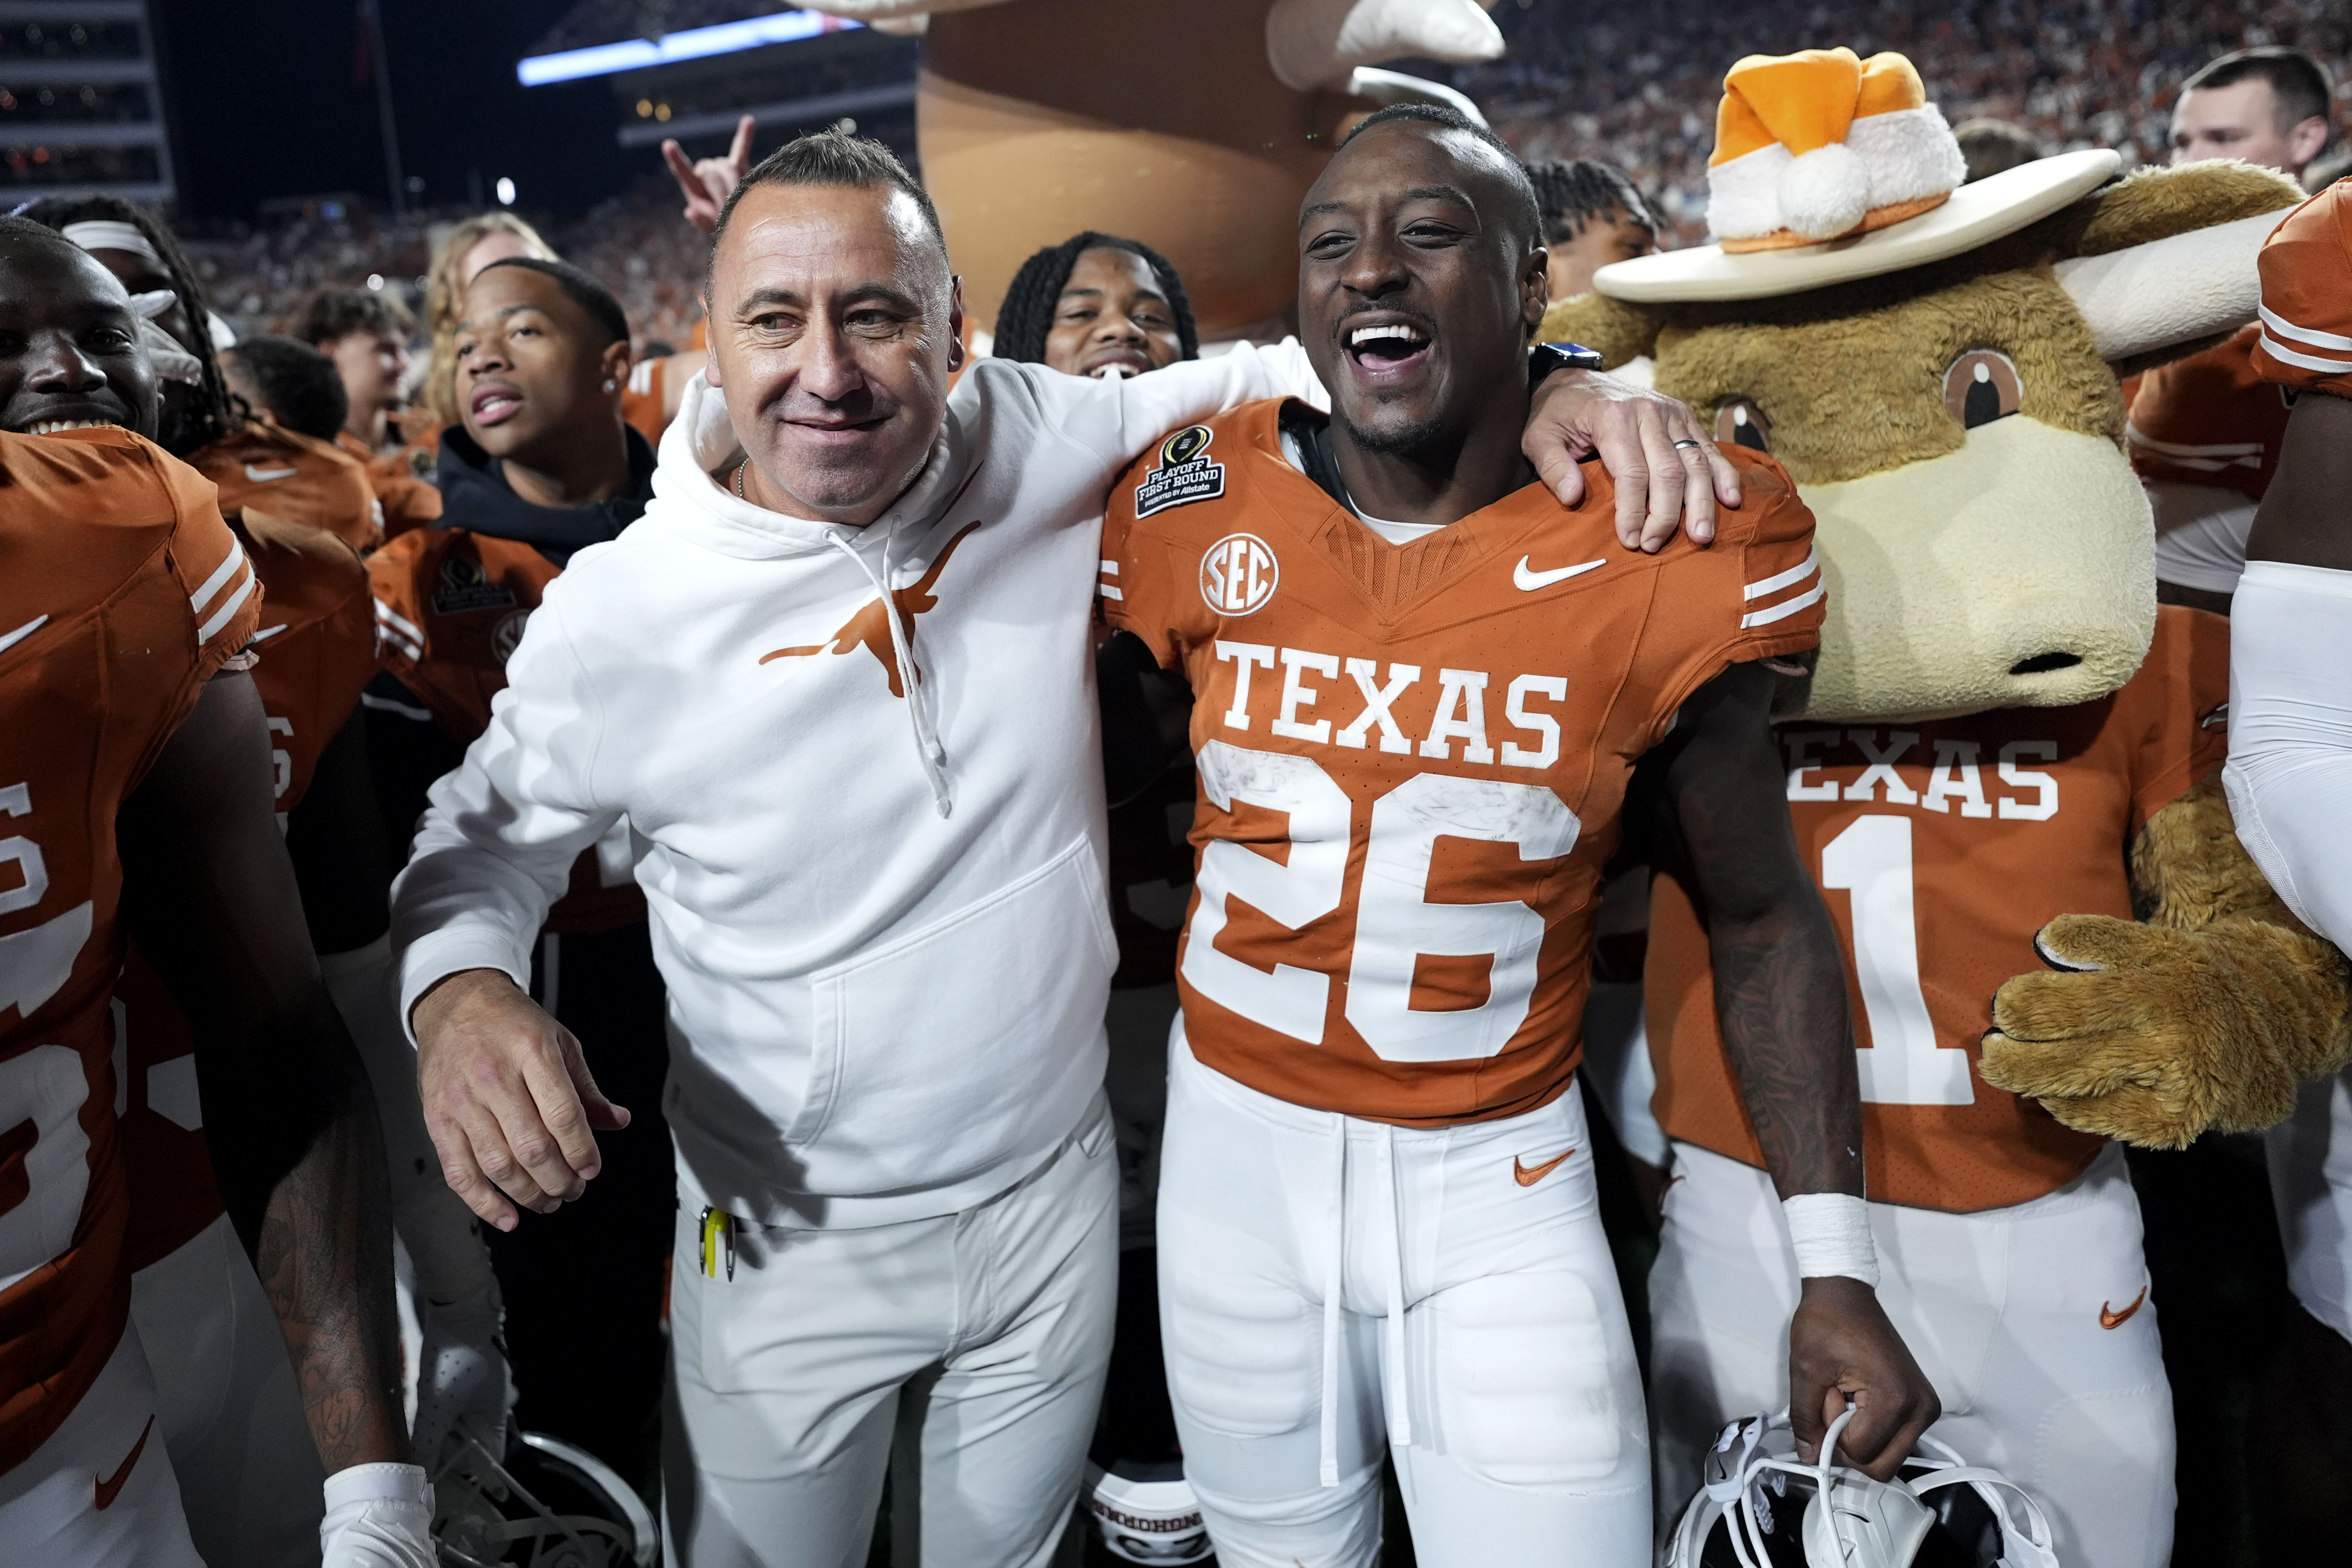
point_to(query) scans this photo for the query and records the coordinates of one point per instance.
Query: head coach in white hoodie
(837, 682)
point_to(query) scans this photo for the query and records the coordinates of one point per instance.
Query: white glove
(463, 1386)
(378, 1516)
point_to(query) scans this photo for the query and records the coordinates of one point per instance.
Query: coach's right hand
(508, 1097)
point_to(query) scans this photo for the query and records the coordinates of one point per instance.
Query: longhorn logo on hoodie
(870, 627)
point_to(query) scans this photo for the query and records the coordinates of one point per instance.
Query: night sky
(265, 102)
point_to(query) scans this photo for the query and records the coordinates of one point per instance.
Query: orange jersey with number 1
(121, 592)
(1413, 758)
(1942, 848)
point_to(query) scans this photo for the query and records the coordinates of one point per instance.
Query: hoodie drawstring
(902, 632)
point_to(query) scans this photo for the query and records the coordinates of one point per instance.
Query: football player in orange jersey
(2290, 783)
(540, 466)
(295, 476)
(1378, 1217)
(122, 683)
(2205, 430)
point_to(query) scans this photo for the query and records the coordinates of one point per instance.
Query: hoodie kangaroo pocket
(938, 1053)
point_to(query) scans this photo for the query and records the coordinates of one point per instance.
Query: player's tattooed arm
(212, 899)
(1780, 981)
(1780, 1005)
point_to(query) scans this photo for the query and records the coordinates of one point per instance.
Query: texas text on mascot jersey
(2004, 750)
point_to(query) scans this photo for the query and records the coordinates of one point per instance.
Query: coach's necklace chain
(739, 479)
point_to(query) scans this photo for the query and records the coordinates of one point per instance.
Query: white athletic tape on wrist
(1831, 1234)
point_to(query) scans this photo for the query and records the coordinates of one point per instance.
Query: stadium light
(506, 190)
(693, 44)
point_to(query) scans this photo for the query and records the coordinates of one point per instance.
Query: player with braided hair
(1096, 301)
(133, 244)
(1594, 214)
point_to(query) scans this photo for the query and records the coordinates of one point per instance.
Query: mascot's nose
(2042, 662)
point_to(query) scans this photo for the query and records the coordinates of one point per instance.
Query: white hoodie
(881, 919)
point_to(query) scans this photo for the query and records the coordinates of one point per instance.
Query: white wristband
(1831, 1234)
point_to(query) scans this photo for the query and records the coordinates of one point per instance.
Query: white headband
(108, 233)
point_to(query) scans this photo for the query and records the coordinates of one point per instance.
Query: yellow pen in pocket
(717, 1229)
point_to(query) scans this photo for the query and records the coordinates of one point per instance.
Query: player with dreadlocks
(1594, 214)
(1098, 305)
(229, 1410)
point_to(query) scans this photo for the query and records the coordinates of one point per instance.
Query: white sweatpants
(99, 1493)
(2032, 1322)
(972, 1345)
(2311, 1183)
(250, 1473)
(1326, 1282)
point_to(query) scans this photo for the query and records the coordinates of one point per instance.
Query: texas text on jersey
(121, 592)
(2307, 314)
(1412, 758)
(450, 605)
(268, 468)
(1943, 846)
(315, 645)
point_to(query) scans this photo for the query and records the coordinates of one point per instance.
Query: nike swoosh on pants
(106, 1488)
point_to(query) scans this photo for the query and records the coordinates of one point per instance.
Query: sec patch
(1239, 575)
(1184, 474)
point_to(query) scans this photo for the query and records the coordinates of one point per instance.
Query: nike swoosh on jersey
(10, 640)
(34, 965)
(1528, 581)
(2111, 1319)
(1527, 1175)
(264, 475)
(106, 1488)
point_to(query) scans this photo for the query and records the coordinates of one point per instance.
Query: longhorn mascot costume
(2005, 754)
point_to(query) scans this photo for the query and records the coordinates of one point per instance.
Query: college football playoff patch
(1184, 475)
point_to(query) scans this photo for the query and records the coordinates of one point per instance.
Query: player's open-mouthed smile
(1385, 349)
(78, 413)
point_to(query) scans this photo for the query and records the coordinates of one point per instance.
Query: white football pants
(965, 1353)
(2032, 1321)
(2311, 1183)
(1328, 1282)
(250, 1479)
(99, 1493)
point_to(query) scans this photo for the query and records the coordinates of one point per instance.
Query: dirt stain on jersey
(870, 627)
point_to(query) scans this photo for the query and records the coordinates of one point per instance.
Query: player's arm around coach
(835, 364)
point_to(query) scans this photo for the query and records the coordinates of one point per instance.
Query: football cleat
(547, 1504)
(1152, 1520)
(1760, 1506)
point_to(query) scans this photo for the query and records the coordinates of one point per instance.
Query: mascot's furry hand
(2155, 1035)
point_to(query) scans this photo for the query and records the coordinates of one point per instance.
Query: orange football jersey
(287, 474)
(2306, 313)
(317, 647)
(398, 478)
(450, 606)
(1413, 759)
(1942, 847)
(121, 592)
(2208, 420)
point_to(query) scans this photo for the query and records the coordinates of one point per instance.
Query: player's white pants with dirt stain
(1326, 1282)
(99, 1493)
(2311, 1183)
(2032, 1321)
(965, 1353)
(249, 1474)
